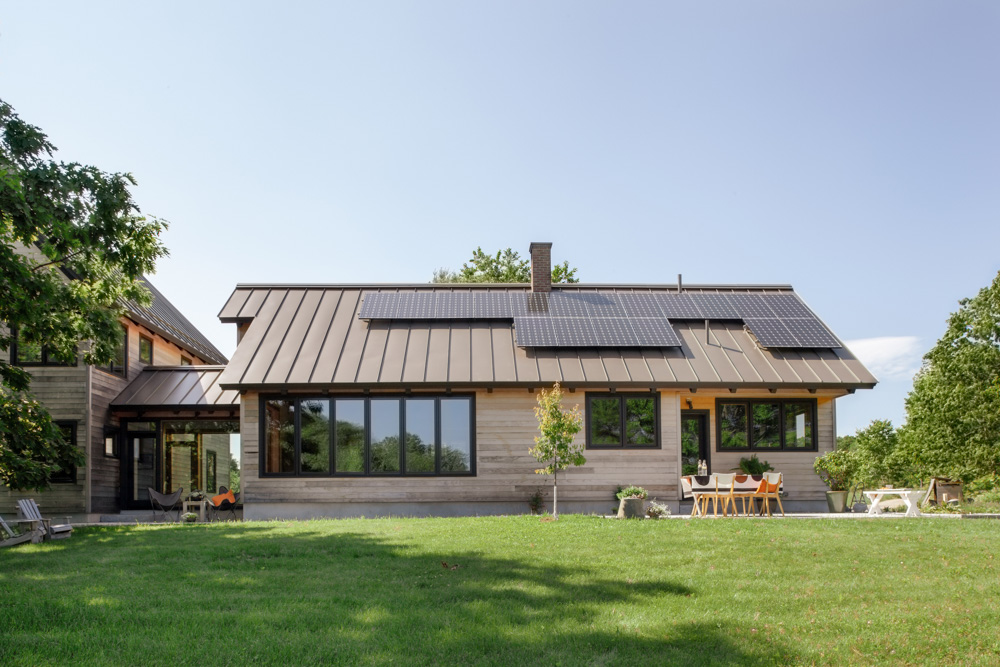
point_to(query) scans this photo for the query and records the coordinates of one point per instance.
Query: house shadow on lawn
(263, 594)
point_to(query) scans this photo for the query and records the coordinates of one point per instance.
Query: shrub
(835, 469)
(535, 501)
(754, 466)
(632, 492)
(657, 509)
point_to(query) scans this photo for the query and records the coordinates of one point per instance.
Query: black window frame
(748, 403)
(143, 338)
(367, 454)
(112, 436)
(66, 476)
(623, 397)
(43, 361)
(112, 368)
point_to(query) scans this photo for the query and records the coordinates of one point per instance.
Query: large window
(766, 425)
(383, 435)
(623, 421)
(25, 353)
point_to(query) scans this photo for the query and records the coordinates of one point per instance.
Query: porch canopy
(177, 388)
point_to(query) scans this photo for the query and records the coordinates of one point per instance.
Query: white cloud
(889, 357)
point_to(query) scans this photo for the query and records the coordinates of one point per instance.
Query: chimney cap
(539, 244)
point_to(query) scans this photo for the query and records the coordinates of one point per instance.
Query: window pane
(350, 454)
(690, 445)
(279, 436)
(145, 350)
(456, 445)
(142, 426)
(29, 353)
(640, 421)
(185, 361)
(605, 421)
(732, 426)
(419, 435)
(798, 426)
(66, 475)
(385, 435)
(315, 438)
(766, 426)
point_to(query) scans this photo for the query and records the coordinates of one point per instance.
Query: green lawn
(580, 591)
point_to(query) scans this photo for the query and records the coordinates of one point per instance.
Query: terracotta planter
(631, 508)
(836, 501)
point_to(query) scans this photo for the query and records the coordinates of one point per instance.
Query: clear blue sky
(851, 149)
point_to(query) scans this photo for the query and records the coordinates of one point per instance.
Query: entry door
(141, 461)
(694, 440)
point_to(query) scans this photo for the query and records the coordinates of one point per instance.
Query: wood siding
(505, 429)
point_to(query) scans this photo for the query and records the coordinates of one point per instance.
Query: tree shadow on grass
(265, 594)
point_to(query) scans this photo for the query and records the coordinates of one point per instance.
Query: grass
(508, 591)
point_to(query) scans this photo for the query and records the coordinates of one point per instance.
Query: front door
(694, 440)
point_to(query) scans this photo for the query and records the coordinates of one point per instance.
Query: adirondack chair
(29, 510)
(9, 539)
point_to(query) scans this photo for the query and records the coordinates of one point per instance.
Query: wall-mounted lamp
(688, 401)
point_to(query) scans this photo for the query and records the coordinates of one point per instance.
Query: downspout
(88, 506)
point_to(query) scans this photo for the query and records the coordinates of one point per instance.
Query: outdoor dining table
(704, 485)
(911, 497)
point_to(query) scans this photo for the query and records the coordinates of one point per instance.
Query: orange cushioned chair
(224, 502)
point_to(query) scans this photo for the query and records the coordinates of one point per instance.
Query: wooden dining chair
(724, 486)
(769, 489)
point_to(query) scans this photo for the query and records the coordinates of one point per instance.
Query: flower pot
(836, 501)
(631, 508)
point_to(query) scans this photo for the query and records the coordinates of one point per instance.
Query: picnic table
(911, 497)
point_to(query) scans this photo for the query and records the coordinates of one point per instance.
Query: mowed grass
(514, 591)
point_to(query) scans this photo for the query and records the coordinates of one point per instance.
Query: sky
(850, 149)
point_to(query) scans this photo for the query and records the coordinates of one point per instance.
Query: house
(367, 400)
(418, 399)
(79, 397)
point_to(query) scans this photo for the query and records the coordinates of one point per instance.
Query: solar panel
(603, 304)
(678, 306)
(573, 332)
(421, 306)
(770, 332)
(534, 332)
(614, 332)
(786, 305)
(749, 305)
(714, 306)
(563, 304)
(491, 305)
(639, 304)
(809, 332)
(378, 306)
(650, 332)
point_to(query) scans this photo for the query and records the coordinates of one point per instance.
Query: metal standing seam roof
(187, 387)
(163, 318)
(310, 336)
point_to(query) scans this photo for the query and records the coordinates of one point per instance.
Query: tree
(506, 266)
(953, 412)
(554, 446)
(72, 249)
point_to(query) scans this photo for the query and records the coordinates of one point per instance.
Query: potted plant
(834, 468)
(753, 466)
(631, 502)
(190, 517)
(657, 509)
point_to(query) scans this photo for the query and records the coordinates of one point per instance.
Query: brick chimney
(541, 267)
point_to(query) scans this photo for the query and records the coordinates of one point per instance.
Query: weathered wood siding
(798, 477)
(505, 429)
(63, 390)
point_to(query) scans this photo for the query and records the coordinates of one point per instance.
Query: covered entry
(177, 429)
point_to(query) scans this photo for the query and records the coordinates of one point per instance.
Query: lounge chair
(9, 538)
(224, 505)
(29, 510)
(165, 503)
